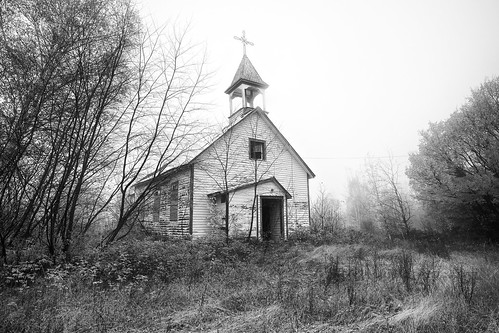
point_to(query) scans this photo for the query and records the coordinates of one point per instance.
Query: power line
(356, 157)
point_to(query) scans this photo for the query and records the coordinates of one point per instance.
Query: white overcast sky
(347, 78)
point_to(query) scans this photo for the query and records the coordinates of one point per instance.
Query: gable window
(256, 149)
(174, 201)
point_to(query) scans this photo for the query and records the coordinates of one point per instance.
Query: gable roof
(246, 73)
(161, 175)
(263, 181)
(267, 120)
(293, 152)
(244, 115)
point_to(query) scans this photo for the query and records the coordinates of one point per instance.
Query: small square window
(257, 149)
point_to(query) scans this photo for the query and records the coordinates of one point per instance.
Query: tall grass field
(349, 282)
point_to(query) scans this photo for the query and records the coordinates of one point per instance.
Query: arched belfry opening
(247, 88)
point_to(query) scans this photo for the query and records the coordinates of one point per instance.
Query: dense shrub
(339, 236)
(203, 285)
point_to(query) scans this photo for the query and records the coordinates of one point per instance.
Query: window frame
(252, 143)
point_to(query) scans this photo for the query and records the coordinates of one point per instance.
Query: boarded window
(257, 149)
(156, 206)
(174, 201)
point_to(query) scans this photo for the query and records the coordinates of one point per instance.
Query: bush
(204, 285)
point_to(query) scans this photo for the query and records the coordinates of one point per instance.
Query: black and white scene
(262, 166)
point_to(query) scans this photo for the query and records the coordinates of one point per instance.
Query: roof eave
(244, 186)
(230, 127)
(233, 87)
(310, 173)
(161, 175)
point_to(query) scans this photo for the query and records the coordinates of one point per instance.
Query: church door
(272, 218)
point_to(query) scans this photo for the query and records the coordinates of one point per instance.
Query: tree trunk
(252, 212)
(227, 216)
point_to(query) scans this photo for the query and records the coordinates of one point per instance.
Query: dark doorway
(272, 227)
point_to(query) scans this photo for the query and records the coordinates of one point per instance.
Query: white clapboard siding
(280, 163)
(241, 203)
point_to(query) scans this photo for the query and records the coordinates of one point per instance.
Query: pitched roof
(160, 175)
(286, 143)
(263, 181)
(264, 116)
(249, 111)
(246, 73)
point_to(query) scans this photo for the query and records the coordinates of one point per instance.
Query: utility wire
(355, 157)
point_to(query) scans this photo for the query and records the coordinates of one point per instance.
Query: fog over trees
(91, 100)
(455, 172)
(453, 177)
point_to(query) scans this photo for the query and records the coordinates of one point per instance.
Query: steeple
(247, 83)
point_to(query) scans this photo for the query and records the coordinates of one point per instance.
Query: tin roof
(263, 181)
(246, 73)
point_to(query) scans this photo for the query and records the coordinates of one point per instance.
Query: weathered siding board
(240, 208)
(201, 204)
(164, 225)
(298, 207)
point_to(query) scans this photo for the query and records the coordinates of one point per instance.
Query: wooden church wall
(279, 163)
(165, 215)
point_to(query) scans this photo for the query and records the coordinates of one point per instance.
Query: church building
(249, 181)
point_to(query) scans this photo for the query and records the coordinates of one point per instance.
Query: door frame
(280, 199)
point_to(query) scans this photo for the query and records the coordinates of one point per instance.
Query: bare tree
(159, 122)
(359, 204)
(391, 201)
(262, 167)
(64, 72)
(325, 211)
(220, 166)
(90, 101)
(227, 165)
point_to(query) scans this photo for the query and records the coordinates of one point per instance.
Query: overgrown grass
(313, 283)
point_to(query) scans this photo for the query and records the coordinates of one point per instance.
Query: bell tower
(246, 85)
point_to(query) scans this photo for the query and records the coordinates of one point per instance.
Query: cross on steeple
(244, 41)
